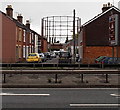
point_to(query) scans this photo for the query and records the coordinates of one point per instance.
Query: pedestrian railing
(56, 72)
(100, 65)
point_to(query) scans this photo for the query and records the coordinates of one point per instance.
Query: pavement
(64, 80)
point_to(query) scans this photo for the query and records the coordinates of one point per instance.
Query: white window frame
(27, 50)
(24, 35)
(24, 51)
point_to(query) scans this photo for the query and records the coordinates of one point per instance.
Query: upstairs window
(20, 35)
(24, 35)
(30, 37)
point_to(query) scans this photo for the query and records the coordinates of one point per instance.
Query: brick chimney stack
(9, 11)
(106, 7)
(28, 23)
(20, 18)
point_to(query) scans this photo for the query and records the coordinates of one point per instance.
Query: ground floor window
(33, 49)
(27, 50)
(30, 49)
(20, 51)
(17, 52)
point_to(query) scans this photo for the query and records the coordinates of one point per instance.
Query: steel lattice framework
(59, 28)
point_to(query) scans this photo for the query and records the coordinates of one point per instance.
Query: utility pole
(74, 53)
(42, 32)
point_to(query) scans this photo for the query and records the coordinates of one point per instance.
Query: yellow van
(33, 57)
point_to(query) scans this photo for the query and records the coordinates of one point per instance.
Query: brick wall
(56, 46)
(45, 46)
(92, 52)
(96, 39)
(8, 40)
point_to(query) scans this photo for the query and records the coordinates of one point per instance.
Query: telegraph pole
(74, 53)
(42, 32)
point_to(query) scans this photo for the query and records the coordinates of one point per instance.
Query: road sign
(113, 30)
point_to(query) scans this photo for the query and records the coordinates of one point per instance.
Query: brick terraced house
(18, 40)
(94, 36)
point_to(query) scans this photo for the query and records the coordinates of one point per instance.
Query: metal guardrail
(58, 65)
(59, 71)
(56, 72)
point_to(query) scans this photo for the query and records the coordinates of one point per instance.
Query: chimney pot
(9, 11)
(9, 6)
(28, 23)
(106, 7)
(19, 18)
(108, 4)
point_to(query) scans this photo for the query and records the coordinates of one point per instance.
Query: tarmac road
(85, 98)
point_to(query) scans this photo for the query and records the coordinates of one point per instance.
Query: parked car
(57, 53)
(99, 59)
(47, 55)
(53, 55)
(65, 57)
(117, 60)
(106, 60)
(114, 60)
(42, 56)
(64, 54)
(33, 57)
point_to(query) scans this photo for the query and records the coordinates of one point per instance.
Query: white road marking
(116, 95)
(94, 105)
(12, 94)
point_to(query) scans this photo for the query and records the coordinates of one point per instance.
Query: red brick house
(94, 36)
(18, 40)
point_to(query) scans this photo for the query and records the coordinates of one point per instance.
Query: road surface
(60, 98)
